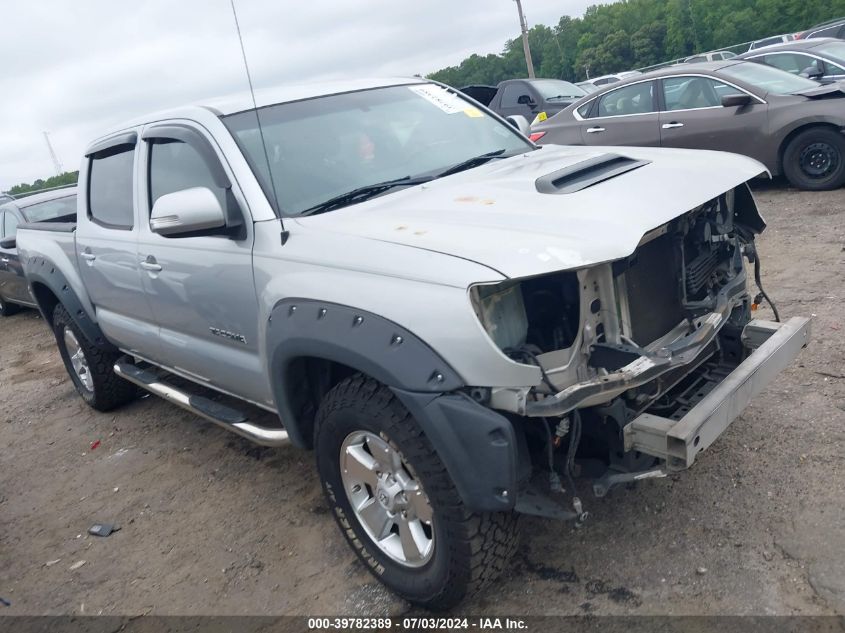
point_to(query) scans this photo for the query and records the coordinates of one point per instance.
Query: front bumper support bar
(679, 441)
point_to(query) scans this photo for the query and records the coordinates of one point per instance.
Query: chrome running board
(230, 419)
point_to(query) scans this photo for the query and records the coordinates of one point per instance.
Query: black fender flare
(352, 337)
(477, 445)
(41, 271)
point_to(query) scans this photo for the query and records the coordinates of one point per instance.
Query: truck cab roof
(241, 101)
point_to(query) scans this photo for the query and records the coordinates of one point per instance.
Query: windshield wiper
(469, 163)
(363, 193)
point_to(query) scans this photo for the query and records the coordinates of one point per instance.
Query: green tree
(628, 34)
(67, 178)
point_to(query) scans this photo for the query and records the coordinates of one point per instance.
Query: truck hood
(494, 215)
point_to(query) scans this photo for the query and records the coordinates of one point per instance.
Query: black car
(526, 97)
(831, 28)
(822, 59)
(58, 205)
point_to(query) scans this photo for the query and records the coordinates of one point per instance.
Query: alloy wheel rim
(387, 499)
(78, 360)
(819, 160)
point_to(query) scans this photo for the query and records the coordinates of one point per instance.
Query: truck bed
(53, 242)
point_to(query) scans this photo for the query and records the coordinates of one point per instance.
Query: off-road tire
(828, 141)
(109, 390)
(470, 549)
(8, 309)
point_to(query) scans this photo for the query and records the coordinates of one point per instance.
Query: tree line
(632, 34)
(67, 178)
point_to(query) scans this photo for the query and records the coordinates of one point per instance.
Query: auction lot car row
(791, 124)
(455, 320)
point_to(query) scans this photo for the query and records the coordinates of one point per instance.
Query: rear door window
(794, 63)
(110, 187)
(511, 94)
(634, 99)
(584, 110)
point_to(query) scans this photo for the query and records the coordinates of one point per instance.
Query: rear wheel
(815, 160)
(89, 367)
(8, 309)
(396, 504)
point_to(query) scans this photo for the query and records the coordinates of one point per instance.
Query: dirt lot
(213, 525)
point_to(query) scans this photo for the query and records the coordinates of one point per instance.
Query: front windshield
(551, 89)
(322, 148)
(833, 49)
(769, 79)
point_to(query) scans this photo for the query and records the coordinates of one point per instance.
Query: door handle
(593, 130)
(672, 125)
(88, 256)
(151, 266)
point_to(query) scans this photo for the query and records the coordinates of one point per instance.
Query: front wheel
(815, 160)
(90, 368)
(396, 504)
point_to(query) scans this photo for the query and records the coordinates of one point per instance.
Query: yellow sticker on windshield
(542, 117)
(473, 112)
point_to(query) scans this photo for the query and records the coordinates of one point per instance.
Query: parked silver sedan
(791, 124)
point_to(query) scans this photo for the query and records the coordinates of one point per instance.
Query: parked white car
(769, 41)
(714, 56)
(591, 85)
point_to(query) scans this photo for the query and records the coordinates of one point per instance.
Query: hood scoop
(587, 173)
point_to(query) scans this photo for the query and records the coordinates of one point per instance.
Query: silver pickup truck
(463, 326)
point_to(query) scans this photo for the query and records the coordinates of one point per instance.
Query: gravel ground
(213, 525)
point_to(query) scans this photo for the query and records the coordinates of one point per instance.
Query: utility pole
(525, 46)
(56, 164)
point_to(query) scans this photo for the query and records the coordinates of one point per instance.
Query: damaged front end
(644, 360)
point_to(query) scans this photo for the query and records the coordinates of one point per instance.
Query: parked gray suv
(454, 319)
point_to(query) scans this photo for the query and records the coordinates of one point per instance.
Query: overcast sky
(76, 68)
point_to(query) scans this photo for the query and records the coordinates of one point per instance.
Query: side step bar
(230, 419)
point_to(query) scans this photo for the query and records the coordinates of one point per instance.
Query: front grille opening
(654, 297)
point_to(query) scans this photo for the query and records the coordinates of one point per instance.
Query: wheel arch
(50, 287)
(312, 345)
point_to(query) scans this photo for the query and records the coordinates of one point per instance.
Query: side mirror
(186, 211)
(812, 72)
(9, 242)
(526, 100)
(520, 123)
(729, 101)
